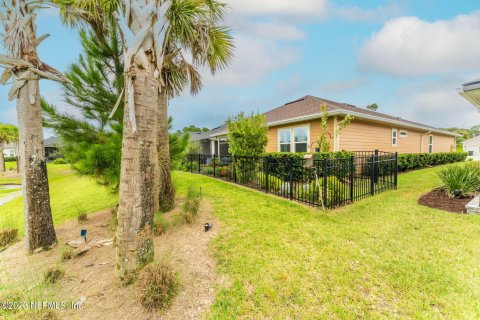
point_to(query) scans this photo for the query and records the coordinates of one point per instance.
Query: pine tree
(92, 133)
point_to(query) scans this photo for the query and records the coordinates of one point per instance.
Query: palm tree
(146, 28)
(8, 134)
(25, 68)
(213, 46)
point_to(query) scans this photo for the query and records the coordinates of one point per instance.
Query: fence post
(395, 171)
(191, 163)
(199, 159)
(234, 169)
(377, 170)
(325, 180)
(352, 177)
(265, 169)
(372, 175)
(214, 167)
(291, 178)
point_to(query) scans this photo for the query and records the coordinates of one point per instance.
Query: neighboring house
(472, 146)
(296, 127)
(52, 146)
(471, 92)
(212, 142)
(9, 151)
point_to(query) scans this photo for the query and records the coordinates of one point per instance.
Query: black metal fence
(329, 183)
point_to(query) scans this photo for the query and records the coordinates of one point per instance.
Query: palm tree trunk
(2, 160)
(167, 191)
(138, 173)
(39, 230)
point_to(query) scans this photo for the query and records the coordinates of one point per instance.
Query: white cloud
(436, 103)
(254, 60)
(299, 8)
(275, 31)
(340, 86)
(409, 46)
(357, 14)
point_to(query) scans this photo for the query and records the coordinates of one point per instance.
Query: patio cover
(471, 92)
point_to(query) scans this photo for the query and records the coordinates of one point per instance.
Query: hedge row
(281, 164)
(413, 161)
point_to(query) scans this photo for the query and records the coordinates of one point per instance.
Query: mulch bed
(438, 199)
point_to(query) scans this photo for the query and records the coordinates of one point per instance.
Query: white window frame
(292, 137)
(394, 137)
(430, 143)
(405, 132)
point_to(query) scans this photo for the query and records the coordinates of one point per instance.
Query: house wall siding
(363, 135)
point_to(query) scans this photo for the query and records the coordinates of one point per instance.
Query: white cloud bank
(299, 8)
(408, 46)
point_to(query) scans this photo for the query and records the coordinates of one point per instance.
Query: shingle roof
(52, 142)
(310, 106)
(205, 135)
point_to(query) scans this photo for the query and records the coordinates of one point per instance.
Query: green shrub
(465, 179)
(82, 217)
(67, 253)
(160, 225)
(10, 159)
(157, 285)
(60, 161)
(412, 161)
(8, 236)
(53, 274)
(191, 205)
(282, 164)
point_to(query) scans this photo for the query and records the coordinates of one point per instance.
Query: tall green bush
(247, 137)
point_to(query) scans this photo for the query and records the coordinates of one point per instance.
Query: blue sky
(407, 56)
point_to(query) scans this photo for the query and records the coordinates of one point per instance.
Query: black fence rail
(328, 183)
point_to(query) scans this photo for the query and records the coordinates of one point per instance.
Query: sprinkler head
(457, 193)
(208, 226)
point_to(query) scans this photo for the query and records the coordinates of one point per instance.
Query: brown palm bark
(39, 230)
(166, 197)
(2, 159)
(138, 173)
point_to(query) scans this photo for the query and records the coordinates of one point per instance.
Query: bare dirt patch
(90, 278)
(438, 199)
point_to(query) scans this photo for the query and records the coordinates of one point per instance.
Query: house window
(285, 140)
(394, 137)
(301, 139)
(294, 139)
(403, 133)
(430, 144)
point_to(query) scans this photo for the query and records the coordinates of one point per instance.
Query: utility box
(309, 163)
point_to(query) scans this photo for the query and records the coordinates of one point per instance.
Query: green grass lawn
(383, 257)
(70, 194)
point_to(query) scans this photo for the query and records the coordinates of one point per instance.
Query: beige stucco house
(296, 127)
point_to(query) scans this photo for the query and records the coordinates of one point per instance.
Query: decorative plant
(460, 181)
(323, 142)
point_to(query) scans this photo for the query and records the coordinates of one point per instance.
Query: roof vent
(292, 102)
